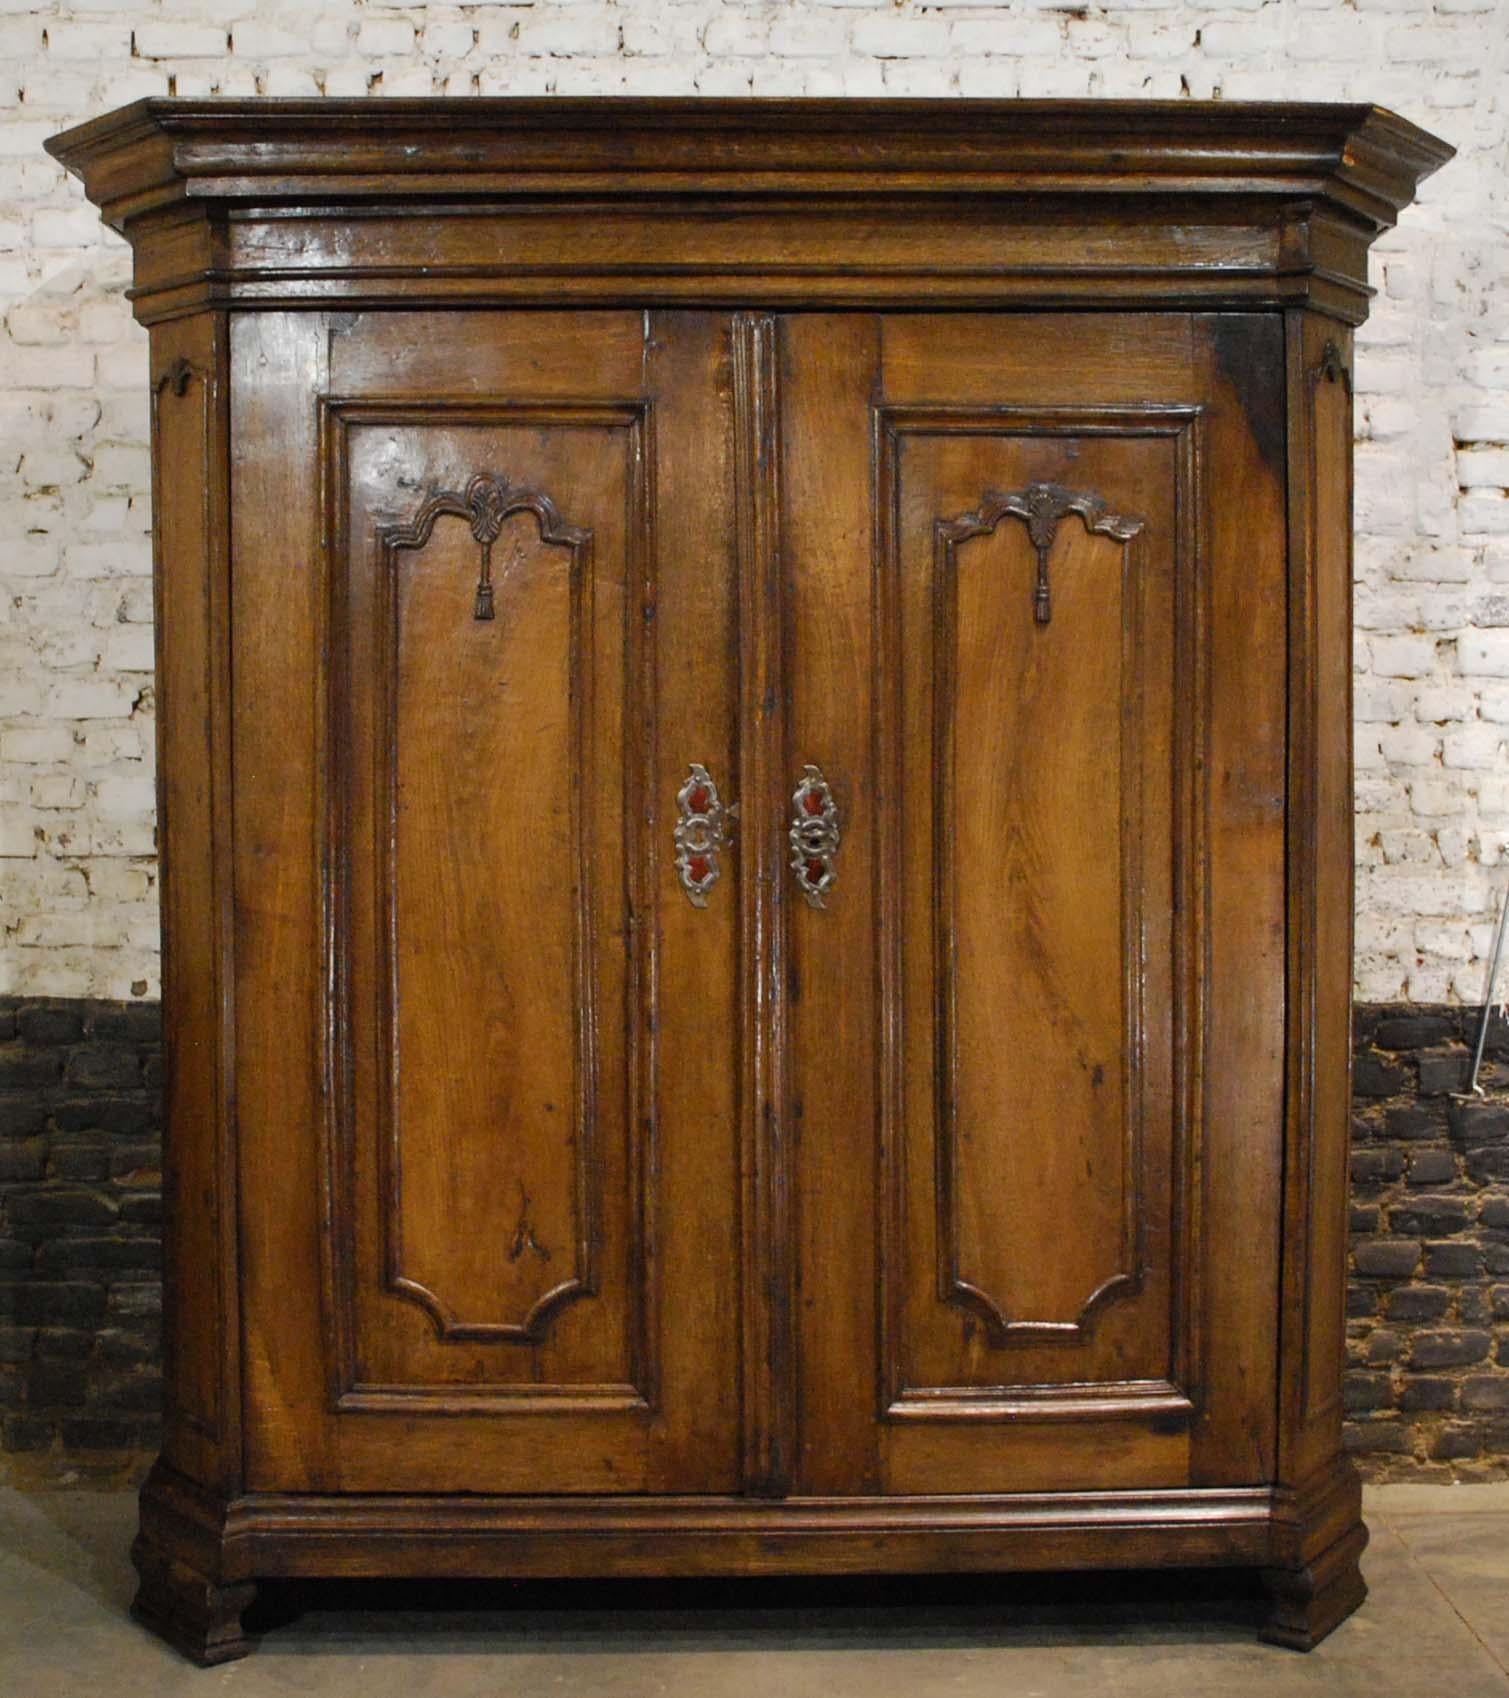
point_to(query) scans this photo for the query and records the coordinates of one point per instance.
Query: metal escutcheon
(702, 833)
(814, 836)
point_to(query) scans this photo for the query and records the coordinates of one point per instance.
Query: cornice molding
(984, 165)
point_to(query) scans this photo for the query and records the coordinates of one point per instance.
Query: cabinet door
(484, 597)
(1036, 649)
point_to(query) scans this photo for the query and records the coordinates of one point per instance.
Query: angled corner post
(1318, 1581)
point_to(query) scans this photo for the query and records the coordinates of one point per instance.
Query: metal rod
(1473, 1087)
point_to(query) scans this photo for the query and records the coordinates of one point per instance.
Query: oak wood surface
(961, 407)
(489, 1192)
(828, 366)
(756, 886)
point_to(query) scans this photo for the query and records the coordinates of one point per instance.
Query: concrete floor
(1436, 1626)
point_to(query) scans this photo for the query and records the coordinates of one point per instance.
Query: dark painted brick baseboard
(80, 1208)
(1428, 1383)
(80, 1224)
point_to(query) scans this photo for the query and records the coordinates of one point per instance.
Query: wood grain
(487, 845)
(1016, 913)
(828, 373)
(1318, 1108)
(483, 942)
(768, 1363)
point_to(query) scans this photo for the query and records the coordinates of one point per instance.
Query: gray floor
(1436, 1626)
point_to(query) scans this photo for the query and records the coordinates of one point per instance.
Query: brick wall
(1427, 1389)
(77, 876)
(77, 893)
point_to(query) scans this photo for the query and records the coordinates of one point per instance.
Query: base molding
(201, 1555)
(1313, 1580)
(1309, 1602)
(192, 1612)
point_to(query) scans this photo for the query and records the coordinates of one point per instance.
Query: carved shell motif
(485, 502)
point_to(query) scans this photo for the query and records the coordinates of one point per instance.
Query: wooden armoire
(754, 757)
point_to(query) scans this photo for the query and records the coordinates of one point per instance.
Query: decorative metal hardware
(1332, 368)
(814, 836)
(177, 377)
(703, 828)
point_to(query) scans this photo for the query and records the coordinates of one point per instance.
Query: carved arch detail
(486, 504)
(1041, 506)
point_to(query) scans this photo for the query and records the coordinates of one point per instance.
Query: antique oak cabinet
(755, 786)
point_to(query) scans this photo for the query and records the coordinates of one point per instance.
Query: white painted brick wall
(77, 898)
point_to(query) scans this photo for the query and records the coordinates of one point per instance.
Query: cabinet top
(1132, 164)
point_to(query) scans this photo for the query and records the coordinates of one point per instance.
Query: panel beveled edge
(1274, 173)
(339, 1263)
(1178, 1394)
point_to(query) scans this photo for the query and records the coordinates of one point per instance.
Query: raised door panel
(502, 1254)
(485, 783)
(1046, 1255)
(1034, 1255)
